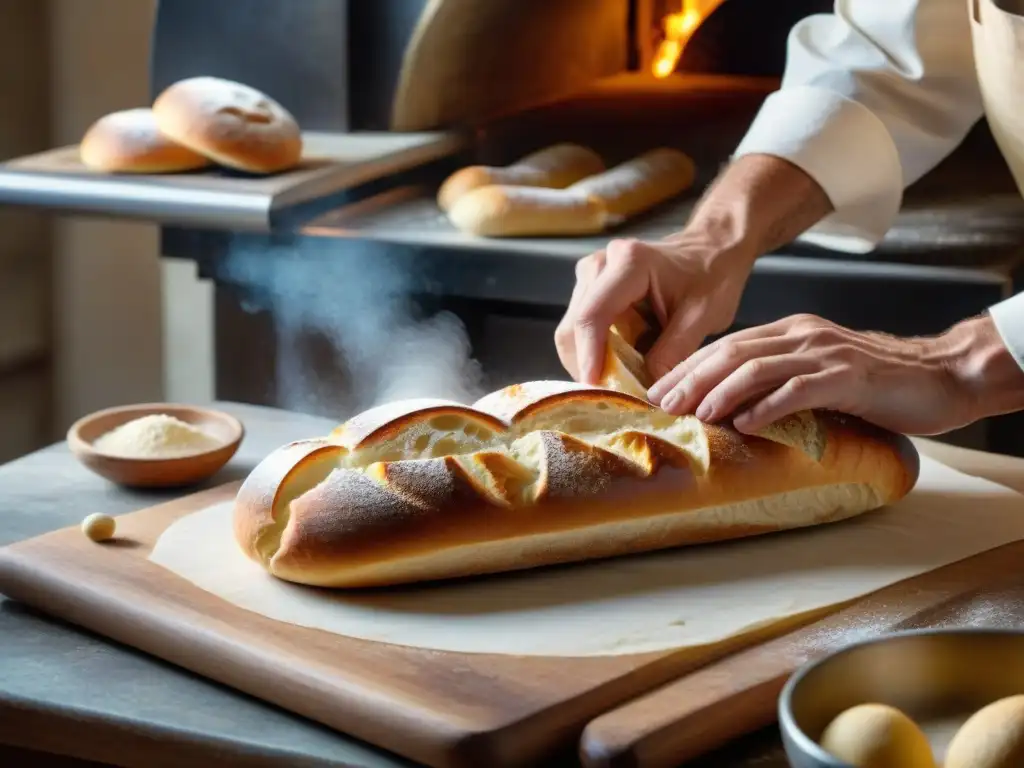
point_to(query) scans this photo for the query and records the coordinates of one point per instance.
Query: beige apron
(998, 32)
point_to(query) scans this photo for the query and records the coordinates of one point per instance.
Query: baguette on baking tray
(553, 167)
(589, 206)
(543, 473)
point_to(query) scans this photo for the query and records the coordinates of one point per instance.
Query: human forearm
(757, 204)
(987, 377)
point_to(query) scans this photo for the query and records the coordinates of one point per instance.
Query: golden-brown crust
(233, 124)
(554, 167)
(464, 181)
(262, 494)
(641, 182)
(896, 462)
(502, 210)
(561, 472)
(357, 528)
(390, 429)
(129, 141)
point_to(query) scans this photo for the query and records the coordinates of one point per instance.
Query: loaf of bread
(233, 124)
(641, 183)
(501, 211)
(553, 167)
(588, 207)
(544, 473)
(129, 141)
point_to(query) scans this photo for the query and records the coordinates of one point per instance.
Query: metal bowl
(937, 677)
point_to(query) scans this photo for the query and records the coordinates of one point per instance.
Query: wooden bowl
(149, 472)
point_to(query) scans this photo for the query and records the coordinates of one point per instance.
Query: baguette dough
(504, 211)
(672, 599)
(641, 183)
(587, 207)
(555, 167)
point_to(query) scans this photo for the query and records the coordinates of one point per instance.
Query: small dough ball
(877, 736)
(993, 737)
(99, 527)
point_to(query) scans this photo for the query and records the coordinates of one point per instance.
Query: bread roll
(129, 141)
(233, 124)
(501, 211)
(640, 183)
(538, 474)
(555, 167)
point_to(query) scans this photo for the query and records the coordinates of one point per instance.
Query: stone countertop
(67, 691)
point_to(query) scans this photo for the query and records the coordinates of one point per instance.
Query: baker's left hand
(911, 385)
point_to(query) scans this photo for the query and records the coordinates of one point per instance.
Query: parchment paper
(685, 597)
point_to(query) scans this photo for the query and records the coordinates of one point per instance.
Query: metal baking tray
(333, 162)
(409, 215)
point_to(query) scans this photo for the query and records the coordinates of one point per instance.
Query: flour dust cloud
(345, 300)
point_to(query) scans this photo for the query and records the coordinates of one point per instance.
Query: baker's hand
(921, 386)
(692, 287)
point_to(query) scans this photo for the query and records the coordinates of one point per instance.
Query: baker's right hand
(692, 287)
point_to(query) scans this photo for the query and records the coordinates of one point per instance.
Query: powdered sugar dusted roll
(233, 124)
(130, 141)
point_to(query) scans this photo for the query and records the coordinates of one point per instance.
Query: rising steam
(352, 302)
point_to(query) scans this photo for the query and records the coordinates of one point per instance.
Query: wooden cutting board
(700, 712)
(443, 709)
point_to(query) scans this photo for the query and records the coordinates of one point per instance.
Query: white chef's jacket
(874, 96)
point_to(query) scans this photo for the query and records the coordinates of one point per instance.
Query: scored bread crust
(576, 473)
(129, 141)
(231, 123)
(262, 504)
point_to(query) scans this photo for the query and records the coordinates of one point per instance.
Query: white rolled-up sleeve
(1008, 316)
(874, 95)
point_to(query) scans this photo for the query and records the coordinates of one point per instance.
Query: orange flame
(678, 27)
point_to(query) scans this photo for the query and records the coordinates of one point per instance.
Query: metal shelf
(57, 181)
(976, 243)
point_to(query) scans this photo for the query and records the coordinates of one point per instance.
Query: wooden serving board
(443, 709)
